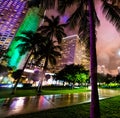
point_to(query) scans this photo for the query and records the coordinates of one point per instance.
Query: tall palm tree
(52, 28)
(85, 11)
(30, 40)
(48, 51)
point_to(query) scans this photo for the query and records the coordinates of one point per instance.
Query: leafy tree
(101, 77)
(82, 77)
(72, 73)
(118, 78)
(108, 78)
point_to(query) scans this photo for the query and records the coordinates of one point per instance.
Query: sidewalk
(21, 105)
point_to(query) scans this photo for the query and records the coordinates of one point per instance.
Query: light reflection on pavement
(21, 105)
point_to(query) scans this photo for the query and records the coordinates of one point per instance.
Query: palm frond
(112, 13)
(39, 59)
(53, 28)
(56, 20)
(48, 20)
(63, 4)
(52, 60)
(73, 20)
(33, 3)
(47, 4)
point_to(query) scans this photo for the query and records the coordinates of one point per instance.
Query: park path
(21, 105)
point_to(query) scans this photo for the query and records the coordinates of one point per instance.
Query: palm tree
(29, 44)
(48, 51)
(52, 28)
(85, 11)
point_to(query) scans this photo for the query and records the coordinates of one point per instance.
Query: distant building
(101, 69)
(12, 13)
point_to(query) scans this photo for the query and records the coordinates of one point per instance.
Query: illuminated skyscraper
(30, 22)
(15, 18)
(12, 13)
(72, 52)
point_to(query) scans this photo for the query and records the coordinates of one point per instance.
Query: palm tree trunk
(94, 108)
(43, 75)
(20, 74)
(15, 86)
(41, 82)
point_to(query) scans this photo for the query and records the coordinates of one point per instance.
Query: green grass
(109, 109)
(4, 93)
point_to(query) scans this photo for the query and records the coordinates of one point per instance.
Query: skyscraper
(30, 22)
(12, 13)
(72, 52)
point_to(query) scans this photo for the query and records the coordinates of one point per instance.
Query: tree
(52, 28)
(29, 44)
(72, 73)
(83, 7)
(101, 77)
(118, 78)
(47, 52)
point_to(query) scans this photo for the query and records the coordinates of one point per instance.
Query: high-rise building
(12, 13)
(72, 53)
(17, 18)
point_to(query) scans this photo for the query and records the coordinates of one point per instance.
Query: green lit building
(19, 18)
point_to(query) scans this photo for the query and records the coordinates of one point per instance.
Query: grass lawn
(109, 109)
(4, 93)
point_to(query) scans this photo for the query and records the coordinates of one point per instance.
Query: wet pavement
(21, 105)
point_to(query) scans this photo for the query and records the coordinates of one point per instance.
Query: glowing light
(29, 71)
(119, 52)
(64, 19)
(71, 36)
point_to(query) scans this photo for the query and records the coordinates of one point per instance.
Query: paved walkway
(21, 105)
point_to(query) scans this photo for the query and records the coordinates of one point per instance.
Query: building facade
(12, 13)
(15, 18)
(72, 53)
